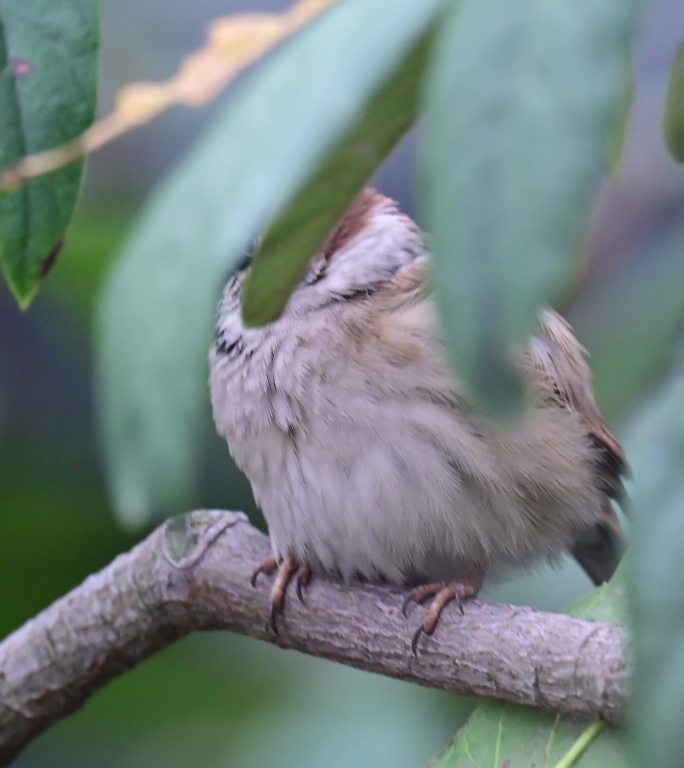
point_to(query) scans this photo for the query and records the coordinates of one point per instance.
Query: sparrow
(367, 453)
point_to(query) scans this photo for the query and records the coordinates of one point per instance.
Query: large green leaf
(500, 734)
(295, 236)
(326, 91)
(631, 322)
(655, 445)
(524, 100)
(673, 121)
(48, 79)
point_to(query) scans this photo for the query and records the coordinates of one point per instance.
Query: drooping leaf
(673, 122)
(500, 734)
(299, 231)
(631, 322)
(324, 92)
(522, 103)
(48, 78)
(655, 445)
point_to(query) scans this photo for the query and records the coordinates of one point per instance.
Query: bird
(367, 453)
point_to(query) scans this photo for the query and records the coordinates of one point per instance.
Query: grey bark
(193, 573)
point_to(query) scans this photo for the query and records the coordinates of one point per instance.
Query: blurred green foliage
(54, 509)
(525, 106)
(673, 122)
(522, 105)
(655, 441)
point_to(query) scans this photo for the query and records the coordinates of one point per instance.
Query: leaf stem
(576, 750)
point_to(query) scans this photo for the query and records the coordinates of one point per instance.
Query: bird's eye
(316, 271)
(247, 256)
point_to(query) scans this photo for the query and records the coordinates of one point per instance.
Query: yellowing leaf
(233, 43)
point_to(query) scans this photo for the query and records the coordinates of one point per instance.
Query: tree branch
(193, 573)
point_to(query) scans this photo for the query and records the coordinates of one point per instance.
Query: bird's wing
(561, 360)
(558, 356)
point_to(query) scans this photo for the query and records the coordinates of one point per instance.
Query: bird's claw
(284, 571)
(442, 593)
(303, 580)
(268, 567)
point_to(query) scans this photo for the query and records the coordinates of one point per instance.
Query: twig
(193, 573)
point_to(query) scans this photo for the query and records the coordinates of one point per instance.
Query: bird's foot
(284, 571)
(442, 593)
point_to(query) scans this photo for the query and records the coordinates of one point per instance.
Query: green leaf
(318, 95)
(500, 734)
(293, 239)
(646, 298)
(673, 122)
(522, 103)
(655, 445)
(48, 82)
(623, 121)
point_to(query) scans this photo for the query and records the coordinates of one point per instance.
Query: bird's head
(363, 252)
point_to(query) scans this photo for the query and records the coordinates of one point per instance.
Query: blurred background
(220, 700)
